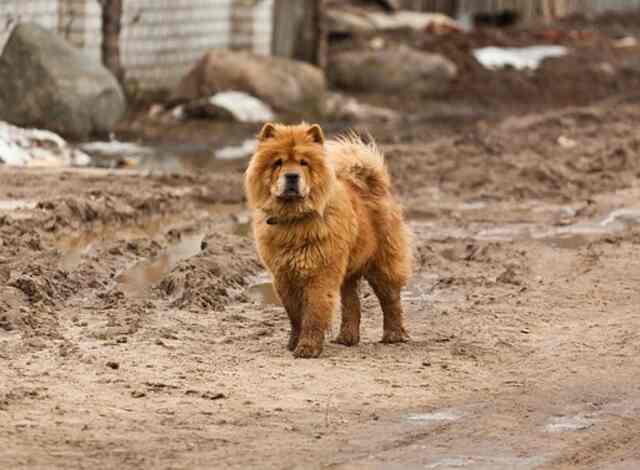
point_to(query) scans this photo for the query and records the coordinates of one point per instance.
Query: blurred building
(160, 39)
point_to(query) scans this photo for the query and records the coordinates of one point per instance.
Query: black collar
(277, 220)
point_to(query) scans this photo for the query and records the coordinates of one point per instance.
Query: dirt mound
(593, 69)
(42, 284)
(98, 207)
(558, 155)
(210, 280)
(32, 295)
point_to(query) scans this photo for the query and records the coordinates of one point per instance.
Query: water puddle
(455, 462)
(16, 204)
(487, 463)
(76, 247)
(566, 236)
(227, 218)
(444, 415)
(137, 280)
(262, 291)
(568, 424)
(176, 158)
(241, 224)
(237, 152)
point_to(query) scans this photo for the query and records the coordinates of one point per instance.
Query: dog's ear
(316, 134)
(268, 131)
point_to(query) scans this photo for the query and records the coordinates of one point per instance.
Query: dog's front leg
(291, 297)
(320, 301)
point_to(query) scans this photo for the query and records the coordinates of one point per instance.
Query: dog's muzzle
(291, 186)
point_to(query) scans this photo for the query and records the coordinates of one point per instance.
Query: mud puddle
(75, 247)
(144, 275)
(174, 158)
(436, 416)
(481, 462)
(561, 236)
(227, 218)
(568, 424)
(261, 290)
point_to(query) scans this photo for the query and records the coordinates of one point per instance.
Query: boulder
(345, 19)
(395, 69)
(348, 108)
(285, 85)
(47, 83)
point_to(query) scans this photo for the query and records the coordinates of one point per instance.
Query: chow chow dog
(325, 217)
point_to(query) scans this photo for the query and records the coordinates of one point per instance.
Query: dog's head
(289, 174)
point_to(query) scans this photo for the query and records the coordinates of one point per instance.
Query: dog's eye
(304, 163)
(277, 163)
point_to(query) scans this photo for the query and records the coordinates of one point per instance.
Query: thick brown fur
(346, 226)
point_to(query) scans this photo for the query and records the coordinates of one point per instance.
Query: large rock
(45, 82)
(286, 85)
(345, 19)
(396, 69)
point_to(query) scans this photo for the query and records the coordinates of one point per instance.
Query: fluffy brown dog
(324, 218)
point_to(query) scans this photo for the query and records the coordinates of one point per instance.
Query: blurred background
(205, 71)
(138, 328)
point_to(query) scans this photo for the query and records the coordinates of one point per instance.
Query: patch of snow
(243, 107)
(518, 57)
(116, 148)
(37, 147)
(178, 113)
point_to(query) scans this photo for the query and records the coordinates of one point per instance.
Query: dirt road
(137, 330)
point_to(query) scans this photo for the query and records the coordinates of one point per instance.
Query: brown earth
(137, 331)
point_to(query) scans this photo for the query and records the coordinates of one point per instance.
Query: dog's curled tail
(360, 162)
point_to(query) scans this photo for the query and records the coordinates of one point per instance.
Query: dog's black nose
(292, 179)
(291, 185)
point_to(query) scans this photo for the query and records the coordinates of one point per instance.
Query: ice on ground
(243, 107)
(517, 57)
(37, 147)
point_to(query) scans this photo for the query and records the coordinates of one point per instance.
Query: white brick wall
(263, 27)
(43, 12)
(161, 39)
(79, 21)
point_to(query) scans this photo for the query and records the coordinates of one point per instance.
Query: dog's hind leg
(350, 326)
(387, 288)
(389, 272)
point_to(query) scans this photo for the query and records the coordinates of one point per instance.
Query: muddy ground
(137, 329)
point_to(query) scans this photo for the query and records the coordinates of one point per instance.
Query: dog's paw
(307, 350)
(293, 342)
(395, 336)
(347, 339)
